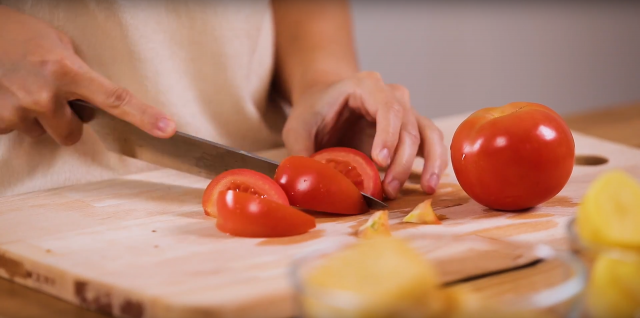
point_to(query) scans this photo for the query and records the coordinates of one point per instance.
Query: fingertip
(165, 127)
(431, 183)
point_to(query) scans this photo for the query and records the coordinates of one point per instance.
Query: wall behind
(458, 57)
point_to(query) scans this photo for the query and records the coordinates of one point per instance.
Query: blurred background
(459, 57)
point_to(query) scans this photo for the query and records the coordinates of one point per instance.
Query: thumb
(299, 132)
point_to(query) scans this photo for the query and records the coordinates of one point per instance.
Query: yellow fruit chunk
(455, 302)
(383, 277)
(610, 211)
(614, 288)
(376, 226)
(423, 214)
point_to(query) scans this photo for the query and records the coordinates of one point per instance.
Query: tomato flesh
(245, 181)
(246, 215)
(354, 165)
(348, 170)
(311, 184)
(513, 157)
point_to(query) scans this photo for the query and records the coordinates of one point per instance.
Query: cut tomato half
(241, 180)
(314, 185)
(246, 215)
(354, 165)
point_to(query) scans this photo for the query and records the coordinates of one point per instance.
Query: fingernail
(383, 156)
(393, 187)
(432, 183)
(164, 125)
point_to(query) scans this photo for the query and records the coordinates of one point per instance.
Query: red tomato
(247, 215)
(354, 165)
(311, 184)
(513, 157)
(241, 180)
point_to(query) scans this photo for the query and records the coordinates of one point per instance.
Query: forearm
(314, 45)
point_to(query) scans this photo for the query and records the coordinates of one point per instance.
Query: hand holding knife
(181, 152)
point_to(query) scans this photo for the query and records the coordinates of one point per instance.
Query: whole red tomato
(513, 157)
(311, 184)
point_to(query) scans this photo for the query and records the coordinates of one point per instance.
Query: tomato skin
(358, 165)
(241, 180)
(246, 215)
(513, 157)
(314, 185)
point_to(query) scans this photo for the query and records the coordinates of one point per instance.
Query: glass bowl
(613, 287)
(503, 279)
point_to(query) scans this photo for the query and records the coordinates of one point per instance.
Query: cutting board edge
(111, 300)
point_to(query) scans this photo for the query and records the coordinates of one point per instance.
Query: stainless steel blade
(181, 152)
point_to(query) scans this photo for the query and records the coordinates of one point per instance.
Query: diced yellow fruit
(461, 302)
(454, 302)
(614, 288)
(610, 211)
(383, 277)
(423, 214)
(376, 226)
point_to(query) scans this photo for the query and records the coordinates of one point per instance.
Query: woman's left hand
(365, 113)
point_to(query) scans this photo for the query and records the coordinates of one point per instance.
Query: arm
(314, 45)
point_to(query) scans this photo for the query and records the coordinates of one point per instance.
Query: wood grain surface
(140, 246)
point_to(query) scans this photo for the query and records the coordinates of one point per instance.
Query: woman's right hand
(40, 72)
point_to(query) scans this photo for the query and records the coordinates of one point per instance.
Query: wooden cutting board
(140, 246)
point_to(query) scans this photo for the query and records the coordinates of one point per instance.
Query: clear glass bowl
(613, 288)
(519, 280)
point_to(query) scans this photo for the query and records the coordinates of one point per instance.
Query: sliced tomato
(247, 215)
(354, 165)
(314, 185)
(241, 180)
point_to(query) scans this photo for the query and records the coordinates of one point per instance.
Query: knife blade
(181, 152)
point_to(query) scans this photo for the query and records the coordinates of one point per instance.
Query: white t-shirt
(208, 64)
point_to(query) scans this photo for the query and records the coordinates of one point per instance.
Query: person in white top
(220, 70)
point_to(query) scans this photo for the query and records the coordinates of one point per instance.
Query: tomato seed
(348, 171)
(245, 188)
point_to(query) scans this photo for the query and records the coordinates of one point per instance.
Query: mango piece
(423, 214)
(382, 277)
(610, 211)
(614, 288)
(376, 226)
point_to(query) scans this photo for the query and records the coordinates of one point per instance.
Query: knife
(182, 152)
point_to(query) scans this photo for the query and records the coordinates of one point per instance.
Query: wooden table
(620, 123)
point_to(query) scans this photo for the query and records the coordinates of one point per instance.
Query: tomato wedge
(241, 180)
(246, 215)
(311, 184)
(354, 165)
